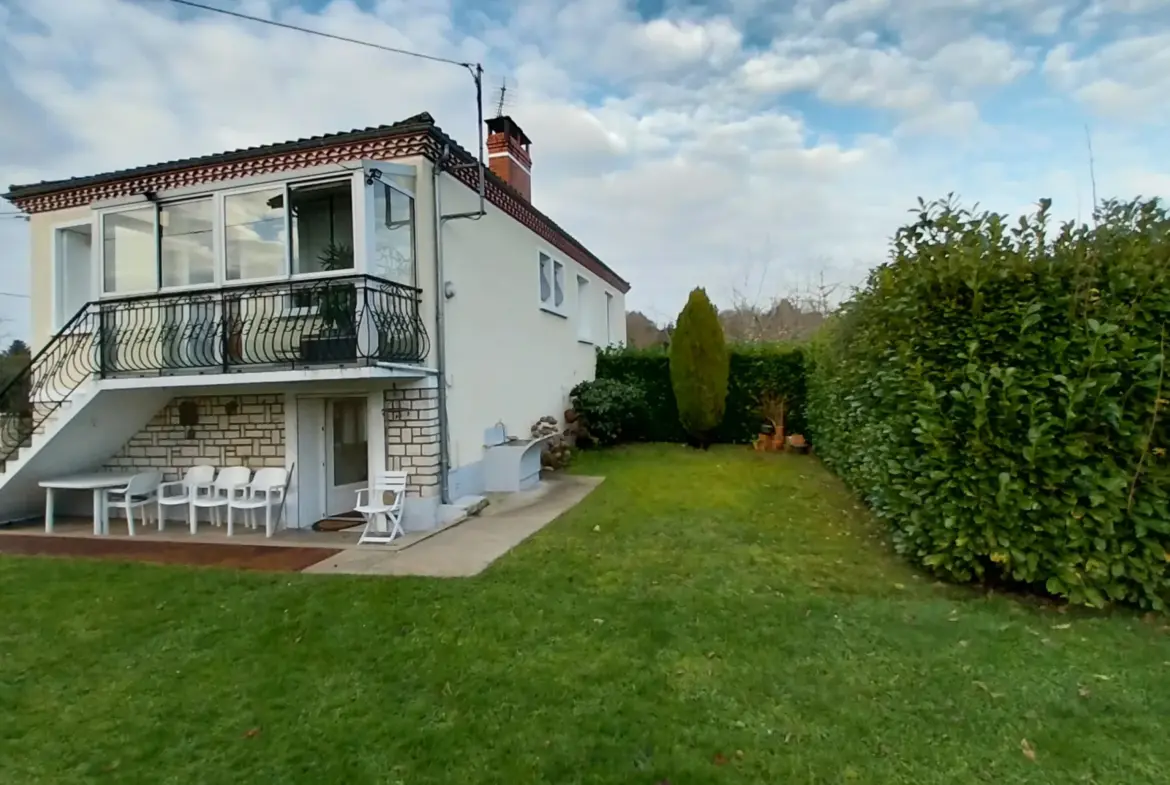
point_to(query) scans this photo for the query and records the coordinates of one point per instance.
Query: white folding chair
(197, 480)
(140, 491)
(231, 483)
(265, 491)
(378, 508)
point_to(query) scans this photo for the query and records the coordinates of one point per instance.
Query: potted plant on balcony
(336, 337)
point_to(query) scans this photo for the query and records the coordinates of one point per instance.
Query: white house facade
(335, 306)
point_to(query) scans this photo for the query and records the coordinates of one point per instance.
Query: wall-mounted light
(449, 289)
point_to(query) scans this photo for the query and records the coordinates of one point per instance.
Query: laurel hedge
(997, 393)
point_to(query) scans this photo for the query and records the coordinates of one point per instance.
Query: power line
(475, 69)
(13, 294)
(310, 31)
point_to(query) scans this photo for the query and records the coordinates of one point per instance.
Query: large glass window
(322, 227)
(128, 250)
(393, 257)
(188, 252)
(254, 236)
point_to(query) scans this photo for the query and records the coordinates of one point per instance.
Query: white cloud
(1126, 79)
(691, 149)
(978, 61)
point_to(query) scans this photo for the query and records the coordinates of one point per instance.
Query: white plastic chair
(231, 483)
(376, 507)
(265, 491)
(197, 480)
(140, 491)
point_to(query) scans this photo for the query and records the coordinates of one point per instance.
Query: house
(336, 305)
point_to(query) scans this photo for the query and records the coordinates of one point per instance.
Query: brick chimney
(507, 148)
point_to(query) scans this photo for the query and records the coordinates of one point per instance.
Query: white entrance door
(347, 468)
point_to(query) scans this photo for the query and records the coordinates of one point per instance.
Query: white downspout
(441, 339)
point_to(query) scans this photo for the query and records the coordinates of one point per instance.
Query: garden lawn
(721, 617)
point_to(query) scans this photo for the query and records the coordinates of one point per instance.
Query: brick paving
(268, 558)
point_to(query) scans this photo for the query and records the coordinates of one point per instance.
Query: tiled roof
(55, 194)
(420, 122)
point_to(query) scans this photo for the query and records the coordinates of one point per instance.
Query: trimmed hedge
(754, 371)
(997, 393)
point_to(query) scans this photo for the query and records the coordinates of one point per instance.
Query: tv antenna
(503, 97)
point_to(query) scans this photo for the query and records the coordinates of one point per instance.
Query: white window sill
(554, 311)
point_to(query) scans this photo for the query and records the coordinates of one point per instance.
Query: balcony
(340, 321)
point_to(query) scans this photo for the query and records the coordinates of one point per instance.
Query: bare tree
(642, 332)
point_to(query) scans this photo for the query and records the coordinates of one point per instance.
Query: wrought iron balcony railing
(336, 321)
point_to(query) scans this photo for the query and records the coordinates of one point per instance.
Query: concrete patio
(469, 547)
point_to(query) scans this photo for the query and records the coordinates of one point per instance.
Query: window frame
(217, 234)
(371, 238)
(584, 322)
(609, 301)
(101, 251)
(57, 318)
(555, 262)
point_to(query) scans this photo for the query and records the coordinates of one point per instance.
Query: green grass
(725, 617)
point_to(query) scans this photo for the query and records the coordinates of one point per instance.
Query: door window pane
(74, 261)
(350, 454)
(128, 250)
(393, 257)
(188, 255)
(322, 227)
(254, 234)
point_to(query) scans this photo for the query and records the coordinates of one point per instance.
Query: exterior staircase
(61, 421)
(78, 435)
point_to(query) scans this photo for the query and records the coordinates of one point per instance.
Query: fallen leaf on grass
(987, 689)
(1026, 748)
(597, 528)
(1084, 692)
(1061, 626)
(1102, 677)
(720, 759)
(252, 733)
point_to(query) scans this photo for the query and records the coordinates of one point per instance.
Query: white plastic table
(98, 482)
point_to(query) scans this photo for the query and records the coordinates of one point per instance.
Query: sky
(758, 148)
